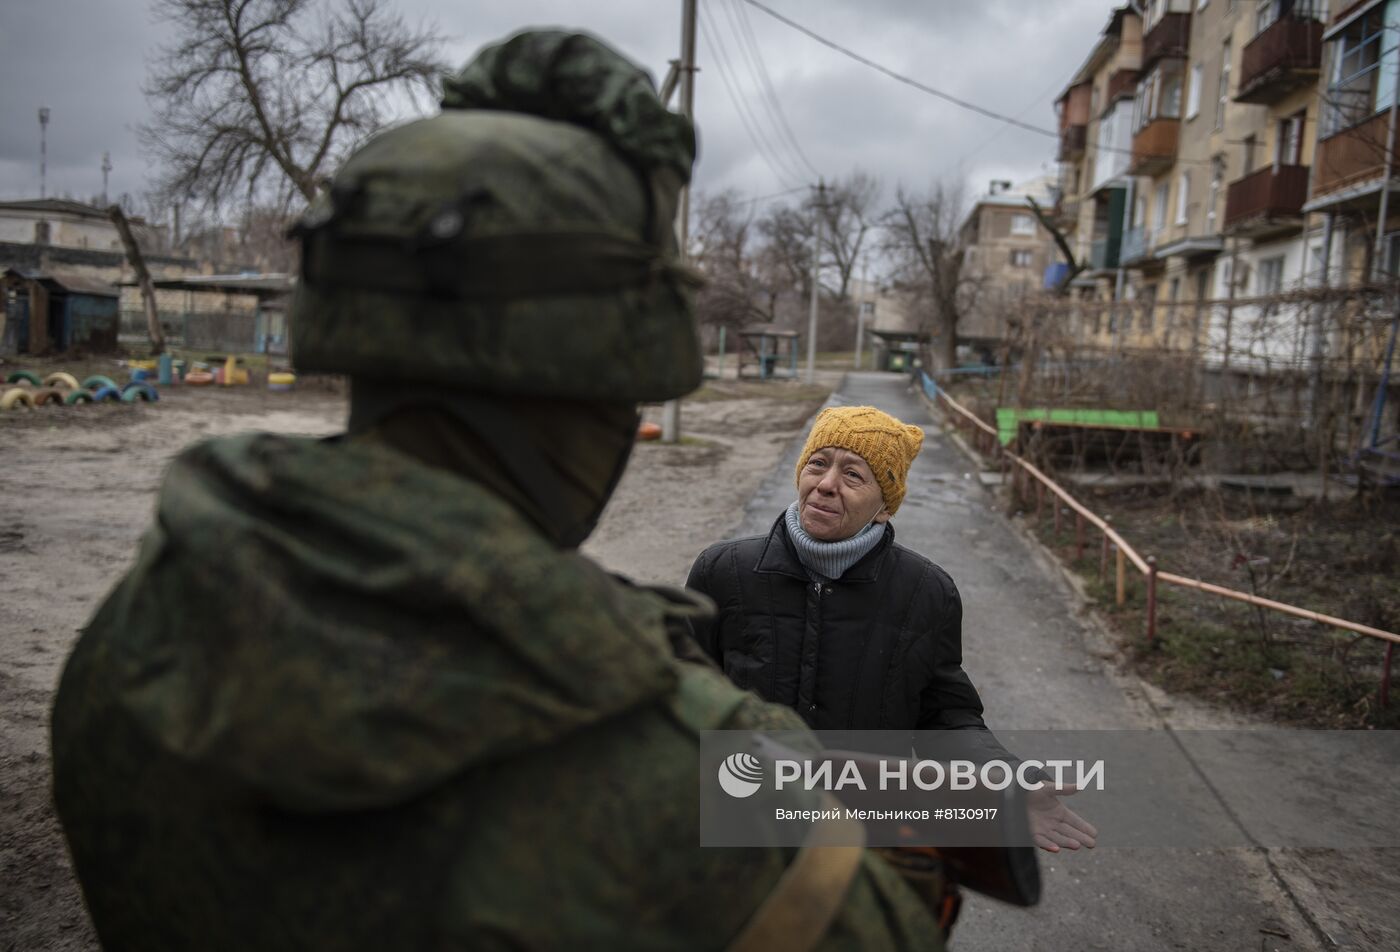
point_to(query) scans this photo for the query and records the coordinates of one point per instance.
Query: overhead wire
(743, 29)
(940, 94)
(770, 155)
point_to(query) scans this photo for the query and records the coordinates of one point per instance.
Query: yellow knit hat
(876, 437)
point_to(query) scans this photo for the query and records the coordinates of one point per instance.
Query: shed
(767, 347)
(56, 311)
(897, 350)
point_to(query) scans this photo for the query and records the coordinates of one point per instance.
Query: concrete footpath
(1040, 664)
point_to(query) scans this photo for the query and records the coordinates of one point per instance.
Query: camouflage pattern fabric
(345, 700)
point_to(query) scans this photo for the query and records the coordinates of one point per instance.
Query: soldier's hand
(1055, 826)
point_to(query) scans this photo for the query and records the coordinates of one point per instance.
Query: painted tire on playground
(25, 376)
(48, 395)
(649, 431)
(140, 375)
(199, 378)
(60, 379)
(74, 397)
(138, 390)
(97, 382)
(18, 397)
(106, 393)
(281, 377)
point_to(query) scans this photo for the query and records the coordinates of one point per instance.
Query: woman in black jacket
(828, 615)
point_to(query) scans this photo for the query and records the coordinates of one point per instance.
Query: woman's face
(837, 495)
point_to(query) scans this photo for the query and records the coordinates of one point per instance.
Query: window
(41, 233)
(1149, 301)
(1183, 195)
(1223, 93)
(1270, 275)
(1193, 92)
(1217, 178)
(1159, 208)
(1288, 147)
(1021, 257)
(1022, 225)
(1355, 92)
(1250, 144)
(1158, 95)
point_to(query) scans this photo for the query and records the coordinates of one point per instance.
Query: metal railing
(985, 440)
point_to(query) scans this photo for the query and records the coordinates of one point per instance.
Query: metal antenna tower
(43, 150)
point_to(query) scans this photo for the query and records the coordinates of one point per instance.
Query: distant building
(61, 223)
(1008, 253)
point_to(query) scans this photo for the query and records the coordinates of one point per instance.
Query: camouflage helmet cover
(520, 242)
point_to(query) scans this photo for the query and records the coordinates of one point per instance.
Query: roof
(57, 206)
(766, 330)
(263, 285)
(71, 283)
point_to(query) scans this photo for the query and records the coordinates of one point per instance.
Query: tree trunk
(143, 278)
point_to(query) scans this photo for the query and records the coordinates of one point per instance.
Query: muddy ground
(77, 486)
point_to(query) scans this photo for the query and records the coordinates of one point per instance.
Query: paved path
(1037, 665)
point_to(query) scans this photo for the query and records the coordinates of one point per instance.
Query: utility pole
(671, 413)
(865, 298)
(43, 151)
(816, 266)
(106, 168)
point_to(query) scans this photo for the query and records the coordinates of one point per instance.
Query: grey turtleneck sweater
(826, 561)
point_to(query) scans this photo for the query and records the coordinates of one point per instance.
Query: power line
(961, 103)
(739, 19)
(900, 77)
(770, 155)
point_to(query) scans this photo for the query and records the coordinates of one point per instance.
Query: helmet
(520, 242)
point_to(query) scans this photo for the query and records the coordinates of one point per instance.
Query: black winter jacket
(879, 648)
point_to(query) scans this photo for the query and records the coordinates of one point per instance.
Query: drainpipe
(1118, 280)
(1319, 319)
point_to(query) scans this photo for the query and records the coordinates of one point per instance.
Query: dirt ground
(77, 487)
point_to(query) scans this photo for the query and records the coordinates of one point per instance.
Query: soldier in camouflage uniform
(363, 693)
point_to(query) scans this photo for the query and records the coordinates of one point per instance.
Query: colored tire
(74, 397)
(60, 379)
(137, 390)
(24, 375)
(199, 378)
(140, 375)
(48, 395)
(97, 382)
(16, 398)
(106, 393)
(648, 431)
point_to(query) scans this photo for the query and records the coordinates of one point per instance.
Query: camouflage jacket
(347, 701)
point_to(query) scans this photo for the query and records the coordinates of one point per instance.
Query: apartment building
(1008, 254)
(1095, 112)
(1216, 190)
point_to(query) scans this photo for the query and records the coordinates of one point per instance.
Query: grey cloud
(86, 60)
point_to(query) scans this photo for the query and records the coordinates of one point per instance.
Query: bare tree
(269, 94)
(722, 247)
(848, 216)
(922, 236)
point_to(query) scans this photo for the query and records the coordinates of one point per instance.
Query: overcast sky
(86, 60)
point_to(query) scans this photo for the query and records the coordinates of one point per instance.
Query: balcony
(1154, 147)
(1123, 82)
(1134, 246)
(1287, 55)
(1268, 200)
(1103, 254)
(1351, 157)
(1072, 142)
(1170, 37)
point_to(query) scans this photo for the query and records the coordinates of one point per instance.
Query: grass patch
(1290, 670)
